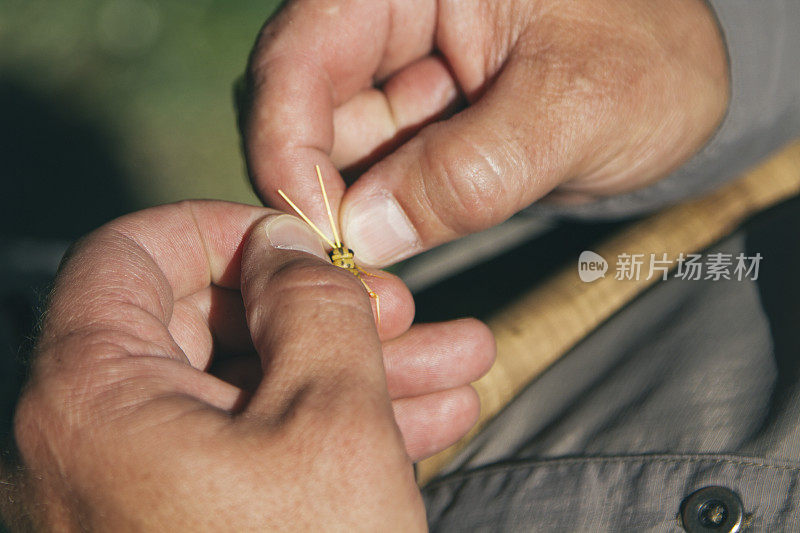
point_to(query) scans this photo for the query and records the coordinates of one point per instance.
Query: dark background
(113, 105)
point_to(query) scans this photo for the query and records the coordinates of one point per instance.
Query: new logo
(591, 266)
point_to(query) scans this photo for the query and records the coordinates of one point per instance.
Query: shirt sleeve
(763, 43)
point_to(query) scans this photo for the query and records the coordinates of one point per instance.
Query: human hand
(578, 99)
(121, 427)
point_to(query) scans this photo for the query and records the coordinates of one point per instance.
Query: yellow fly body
(340, 255)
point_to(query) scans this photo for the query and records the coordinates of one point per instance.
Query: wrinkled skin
(123, 428)
(451, 116)
(571, 99)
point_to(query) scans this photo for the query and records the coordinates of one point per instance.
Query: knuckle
(463, 182)
(601, 71)
(319, 280)
(73, 250)
(38, 427)
(303, 281)
(27, 420)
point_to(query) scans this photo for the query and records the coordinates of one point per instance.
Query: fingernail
(287, 232)
(379, 231)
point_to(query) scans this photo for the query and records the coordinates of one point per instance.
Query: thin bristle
(308, 221)
(328, 207)
(373, 295)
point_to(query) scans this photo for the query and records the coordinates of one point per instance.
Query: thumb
(466, 174)
(312, 325)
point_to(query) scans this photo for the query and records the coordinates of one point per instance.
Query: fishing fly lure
(340, 255)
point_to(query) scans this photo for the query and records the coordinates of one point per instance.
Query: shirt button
(716, 509)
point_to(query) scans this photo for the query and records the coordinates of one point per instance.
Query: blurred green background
(108, 106)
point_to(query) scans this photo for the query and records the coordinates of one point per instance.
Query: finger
(114, 299)
(375, 121)
(123, 279)
(210, 321)
(561, 110)
(393, 308)
(427, 358)
(436, 357)
(312, 325)
(462, 175)
(431, 423)
(332, 50)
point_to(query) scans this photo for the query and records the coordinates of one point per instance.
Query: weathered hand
(574, 98)
(122, 426)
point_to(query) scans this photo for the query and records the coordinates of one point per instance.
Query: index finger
(313, 56)
(106, 326)
(132, 270)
